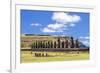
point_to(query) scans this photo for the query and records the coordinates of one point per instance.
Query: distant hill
(36, 34)
(83, 46)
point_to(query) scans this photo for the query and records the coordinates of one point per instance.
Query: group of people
(41, 54)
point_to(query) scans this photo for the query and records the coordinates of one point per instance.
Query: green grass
(27, 57)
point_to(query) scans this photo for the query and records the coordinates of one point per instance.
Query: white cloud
(75, 18)
(54, 28)
(48, 30)
(84, 38)
(35, 24)
(64, 18)
(62, 22)
(72, 25)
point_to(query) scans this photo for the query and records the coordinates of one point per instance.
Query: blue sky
(74, 24)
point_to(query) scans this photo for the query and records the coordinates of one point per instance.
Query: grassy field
(27, 57)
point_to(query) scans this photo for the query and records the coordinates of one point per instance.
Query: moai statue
(59, 42)
(66, 44)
